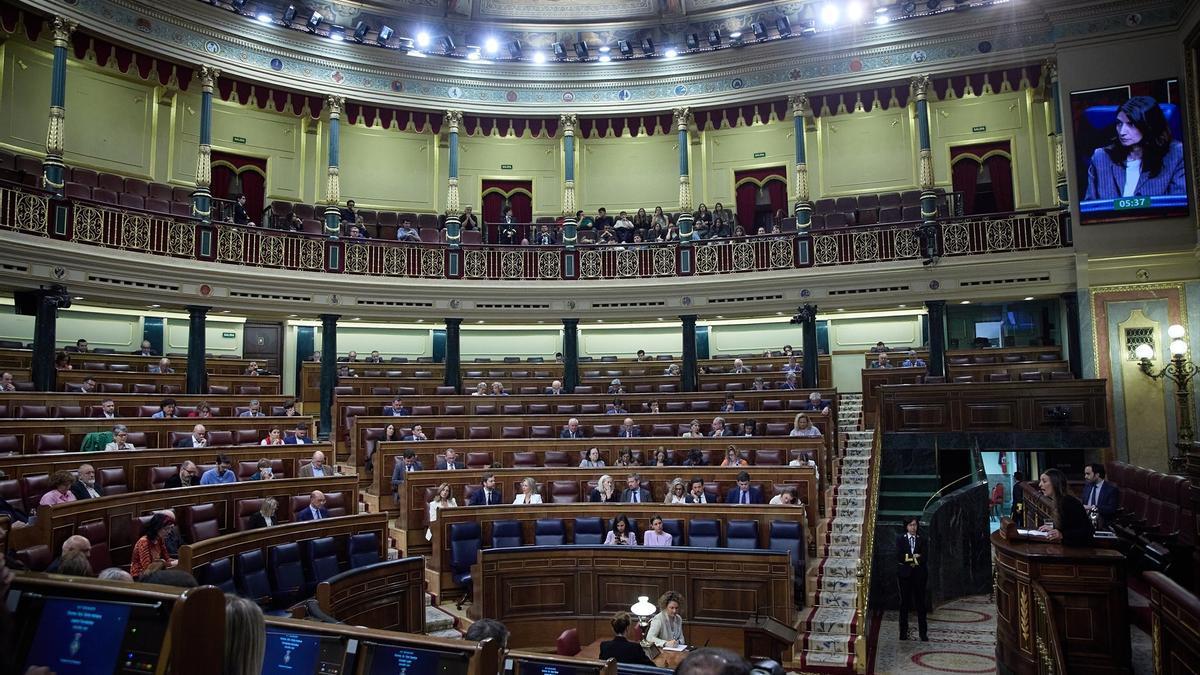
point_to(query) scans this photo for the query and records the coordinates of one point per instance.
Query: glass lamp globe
(1144, 351)
(1179, 347)
(1175, 331)
(643, 607)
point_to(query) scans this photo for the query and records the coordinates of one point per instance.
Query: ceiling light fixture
(882, 20)
(491, 45)
(1028, 298)
(313, 22)
(830, 14)
(648, 47)
(423, 39)
(289, 14)
(385, 34)
(854, 12)
(560, 51)
(965, 302)
(760, 30)
(670, 53)
(539, 57)
(784, 26)
(625, 48)
(337, 33)
(473, 53)
(514, 49)
(605, 58)
(581, 50)
(264, 17)
(360, 31)
(714, 38)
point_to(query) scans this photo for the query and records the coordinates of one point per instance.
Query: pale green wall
(849, 339)
(387, 169)
(865, 152)
(754, 338)
(215, 342)
(535, 159)
(629, 173)
(597, 341)
(727, 151)
(408, 342)
(495, 344)
(114, 331)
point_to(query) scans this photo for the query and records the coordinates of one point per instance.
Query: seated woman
(62, 361)
(390, 433)
(786, 497)
(274, 437)
(676, 493)
(660, 458)
(591, 459)
(150, 553)
(694, 430)
(626, 458)
(252, 369)
(604, 491)
(203, 409)
(528, 494)
(265, 516)
(732, 458)
(120, 439)
(622, 533)
(441, 499)
(656, 536)
(666, 630)
(804, 428)
(60, 489)
(481, 389)
(264, 472)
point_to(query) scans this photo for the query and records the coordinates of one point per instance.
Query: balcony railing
(37, 213)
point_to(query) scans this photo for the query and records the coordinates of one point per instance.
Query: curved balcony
(33, 212)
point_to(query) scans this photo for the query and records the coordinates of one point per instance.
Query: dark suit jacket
(174, 482)
(149, 352)
(257, 521)
(708, 499)
(389, 411)
(306, 514)
(566, 433)
(631, 432)
(477, 499)
(1106, 178)
(645, 498)
(291, 440)
(624, 651)
(1075, 526)
(442, 466)
(81, 492)
(595, 496)
(906, 570)
(724, 432)
(734, 496)
(1107, 502)
(187, 442)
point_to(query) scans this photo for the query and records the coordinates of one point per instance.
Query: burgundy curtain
(777, 189)
(965, 173)
(519, 194)
(746, 193)
(229, 168)
(999, 169)
(493, 205)
(745, 198)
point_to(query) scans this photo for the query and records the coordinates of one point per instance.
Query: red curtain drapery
(966, 161)
(519, 194)
(999, 168)
(237, 174)
(746, 185)
(965, 175)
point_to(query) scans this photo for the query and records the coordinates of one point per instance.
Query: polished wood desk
(174, 383)
(1060, 609)
(23, 358)
(131, 405)
(388, 595)
(1076, 406)
(663, 660)
(195, 556)
(873, 378)
(537, 590)
(151, 432)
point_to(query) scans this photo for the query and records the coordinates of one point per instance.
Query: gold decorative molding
(685, 193)
(333, 187)
(1023, 614)
(926, 169)
(204, 166)
(208, 78)
(62, 29)
(800, 104)
(683, 118)
(919, 85)
(336, 103)
(568, 198)
(55, 131)
(802, 189)
(453, 206)
(453, 120)
(568, 122)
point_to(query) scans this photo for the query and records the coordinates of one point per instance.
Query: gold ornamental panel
(548, 265)
(955, 239)
(906, 243)
(230, 247)
(664, 261)
(825, 249)
(999, 235)
(743, 256)
(707, 259)
(89, 223)
(395, 261)
(181, 239)
(627, 263)
(589, 264)
(475, 264)
(135, 231)
(1045, 232)
(432, 263)
(312, 254)
(781, 253)
(512, 264)
(270, 250)
(866, 246)
(31, 213)
(358, 258)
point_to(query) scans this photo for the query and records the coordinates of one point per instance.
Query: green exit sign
(229, 334)
(239, 139)
(759, 155)
(506, 167)
(979, 129)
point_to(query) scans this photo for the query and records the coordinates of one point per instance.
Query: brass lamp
(1179, 370)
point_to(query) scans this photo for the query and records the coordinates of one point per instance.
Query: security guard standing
(911, 574)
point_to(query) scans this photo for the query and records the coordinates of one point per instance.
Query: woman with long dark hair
(1142, 160)
(1070, 525)
(150, 552)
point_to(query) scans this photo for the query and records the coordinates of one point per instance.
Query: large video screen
(1129, 154)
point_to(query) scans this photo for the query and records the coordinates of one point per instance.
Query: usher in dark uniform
(911, 556)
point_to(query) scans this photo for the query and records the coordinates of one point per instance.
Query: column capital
(454, 119)
(568, 122)
(806, 313)
(208, 78)
(1050, 70)
(62, 29)
(919, 85)
(336, 103)
(800, 105)
(329, 319)
(452, 322)
(202, 310)
(570, 323)
(683, 118)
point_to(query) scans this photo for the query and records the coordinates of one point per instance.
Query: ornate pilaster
(568, 123)
(929, 210)
(1050, 76)
(201, 197)
(453, 121)
(683, 119)
(53, 168)
(801, 111)
(333, 185)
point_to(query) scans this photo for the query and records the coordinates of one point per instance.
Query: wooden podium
(1058, 608)
(766, 638)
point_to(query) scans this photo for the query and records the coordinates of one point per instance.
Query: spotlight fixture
(854, 12)
(908, 6)
(671, 53)
(337, 33)
(604, 49)
(933, 5)
(560, 51)
(289, 14)
(605, 58)
(581, 50)
(882, 20)
(473, 53)
(491, 45)
(784, 26)
(808, 27)
(313, 22)
(714, 38)
(447, 44)
(760, 30)
(830, 14)
(423, 39)
(693, 41)
(735, 39)
(514, 49)
(539, 57)
(625, 48)
(385, 34)
(264, 17)
(648, 47)
(360, 30)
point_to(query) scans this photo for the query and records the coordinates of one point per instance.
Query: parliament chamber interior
(711, 337)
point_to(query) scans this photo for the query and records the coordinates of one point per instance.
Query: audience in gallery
(84, 486)
(316, 508)
(880, 348)
(120, 439)
(489, 494)
(221, 473)
(150, 553)
(317, 467)
(468, 220)
(265, 516)
(348, 213)
(264, 472)
(604, 492)
(911, 360)
(621, 533)
(529, 493)
(441, 499)
(407, 232)
(240, 217)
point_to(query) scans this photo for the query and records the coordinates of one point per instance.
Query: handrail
(942, 491)
(866, 561)
(1049, 646)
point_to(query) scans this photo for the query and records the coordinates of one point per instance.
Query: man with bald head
(316, 508)
(317, 468)
(555, 388)
(629, 429)
(85, 486)
(74, 544)
(6, 382)
(197, 439)
(187, 476)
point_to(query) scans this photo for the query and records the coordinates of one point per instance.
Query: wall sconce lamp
(1179, 370)
(643, 609)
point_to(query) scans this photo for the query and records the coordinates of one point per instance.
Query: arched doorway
(759, 193)
(982, 172)
(234, 175)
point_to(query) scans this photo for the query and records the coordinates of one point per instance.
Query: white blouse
(433, 510)
(534, 498)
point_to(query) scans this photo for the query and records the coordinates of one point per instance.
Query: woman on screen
(1142, 160)
(666, 630)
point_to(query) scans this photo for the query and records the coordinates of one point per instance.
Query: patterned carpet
(962, 639)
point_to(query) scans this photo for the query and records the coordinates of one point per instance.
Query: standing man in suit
(316, 508)
(317, 467)
(911, 574)
(744, 493)
(629, 429)
(1099, 495)
(85, 486)
(489, 495)
(634, 492)
(572, 429)
(620, 648)
(449, 462)
(198, 438)
(408, 463)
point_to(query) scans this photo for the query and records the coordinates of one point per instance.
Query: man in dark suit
(555, 388)
(1099, 495)
(629, 429)
(407, 463)
(696, 494)
(146, 350)
(187, 476)
(490, 495)
(572, 429)
(634, 492)
(449, 462)
(197, 439)
(396, 409)
(316, 508)
(85, 486)
(299, 436)
(374, 357)
(911, 552)
(240, 217)
(620, 648)
(744, 493)
(719, 428)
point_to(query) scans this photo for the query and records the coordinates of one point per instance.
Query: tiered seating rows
(29, 436)
(885, 209)
(13, 355)
(78, 404)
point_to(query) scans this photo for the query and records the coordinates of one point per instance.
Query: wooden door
(263, 342)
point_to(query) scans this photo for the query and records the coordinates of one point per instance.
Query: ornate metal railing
(37, 213)
(867, 560)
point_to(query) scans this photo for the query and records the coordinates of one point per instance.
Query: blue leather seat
(549, 532)
(506, 534)
(788, 535)
(322, 560)
(741, 534)
(674, 526)
(364, 549)
(589, 531)
(287, 573)
(251, 576)
(704, 533)
(465, 541)
(219, 573)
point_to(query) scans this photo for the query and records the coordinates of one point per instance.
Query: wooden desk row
(174, 383)
(873, 378)
(119, 513)
(486, 427)
(438, 562)
(556, 485)
(896, 356)
(982, 372)
(219, 365)
(131, 405)
(66, 435)
(389, 595)
(194, 556)
(1001, 354)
